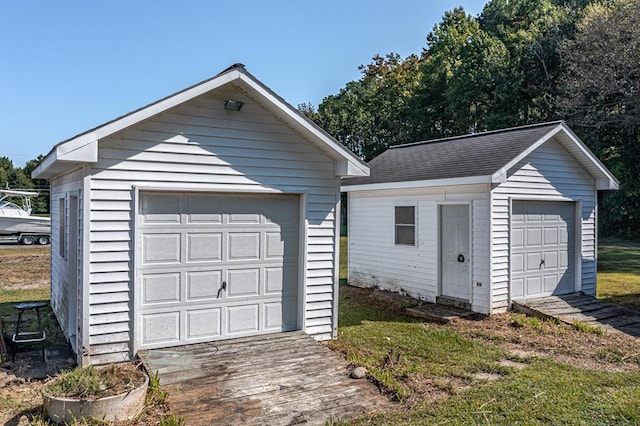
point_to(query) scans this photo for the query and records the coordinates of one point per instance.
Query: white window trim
(415, 225)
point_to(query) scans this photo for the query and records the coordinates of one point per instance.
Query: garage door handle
(223, 287)
(541, 263)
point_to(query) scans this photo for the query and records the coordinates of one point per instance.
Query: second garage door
(542, 248)
(215, 266)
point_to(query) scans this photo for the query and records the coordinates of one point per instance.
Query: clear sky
(68, 66)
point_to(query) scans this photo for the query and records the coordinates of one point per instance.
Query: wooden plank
(274, 379)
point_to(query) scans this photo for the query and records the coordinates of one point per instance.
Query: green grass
(545, 393)
(619, 272)
(344, 257)
(401, 354)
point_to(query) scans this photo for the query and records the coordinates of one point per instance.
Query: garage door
(542, 248)
(215, 266)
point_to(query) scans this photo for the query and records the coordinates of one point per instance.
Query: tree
(532, 31)
(600, 96)
(41, 203)
(462, 65)
(371, 114)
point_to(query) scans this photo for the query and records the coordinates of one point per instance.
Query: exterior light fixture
(232, 105)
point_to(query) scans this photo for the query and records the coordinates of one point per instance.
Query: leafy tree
(532, 31)
(41, 203)
(462, 65)
(601, 100)
(371, 114)
(6, 169)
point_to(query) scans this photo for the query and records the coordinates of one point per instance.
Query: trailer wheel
(27, 240)
(43, 240)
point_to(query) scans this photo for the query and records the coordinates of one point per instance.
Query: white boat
(17, 220)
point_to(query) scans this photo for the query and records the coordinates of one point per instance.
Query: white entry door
(454, 251)
(215, 266)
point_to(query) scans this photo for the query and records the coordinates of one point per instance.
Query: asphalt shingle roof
(478, 154)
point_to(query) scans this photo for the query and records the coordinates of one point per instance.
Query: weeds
(155, 393)
(583, 327)
(91, 382)
(172, 420)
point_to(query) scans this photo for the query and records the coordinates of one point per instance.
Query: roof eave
(603, 177)
(606, 180)
(469, 180)
(64, 157)
(83, 148)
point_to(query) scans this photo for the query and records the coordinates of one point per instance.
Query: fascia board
(499, 176)
(613, 182)
(471, 180)
(78, 144)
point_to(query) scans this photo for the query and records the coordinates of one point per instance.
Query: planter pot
(124, 406)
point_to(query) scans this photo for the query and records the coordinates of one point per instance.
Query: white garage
(215, 266)
(487, 218)
(210, 214)
(542, 248)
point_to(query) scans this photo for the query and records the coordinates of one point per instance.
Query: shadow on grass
(619, 259)
(619, 272)
(360, 304)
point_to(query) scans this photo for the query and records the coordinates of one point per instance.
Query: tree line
(519, 62)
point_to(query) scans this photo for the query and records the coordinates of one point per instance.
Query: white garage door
(215, 266)
(542, 248)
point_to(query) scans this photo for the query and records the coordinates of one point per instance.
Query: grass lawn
(506, 369)
(619, 272)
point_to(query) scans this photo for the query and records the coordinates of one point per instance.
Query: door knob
(461, 258)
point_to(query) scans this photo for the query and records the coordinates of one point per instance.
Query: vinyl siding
(200, 146)
(376, 261)
(62, 187)
(549, 173)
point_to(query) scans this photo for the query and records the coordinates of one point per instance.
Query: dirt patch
(424, 388)
(513, 364)
(24, 267)
(561, 342)
(522, 339)
(382, 299)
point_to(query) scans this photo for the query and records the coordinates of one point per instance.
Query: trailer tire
(27, 240)
(43, 240)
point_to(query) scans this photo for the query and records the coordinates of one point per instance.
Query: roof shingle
(478, 154)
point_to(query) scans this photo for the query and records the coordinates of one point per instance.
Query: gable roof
(83, 148)
(477, 158)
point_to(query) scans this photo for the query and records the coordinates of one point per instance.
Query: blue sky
(68, 66)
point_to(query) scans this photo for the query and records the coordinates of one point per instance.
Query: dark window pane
(405, 215)
(405, 235)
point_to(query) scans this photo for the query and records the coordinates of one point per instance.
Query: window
(62, 224)
(405, 225)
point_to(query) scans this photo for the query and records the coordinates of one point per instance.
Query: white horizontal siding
(376, 261)
(61, 187)
(200, 146)
(549, 173)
